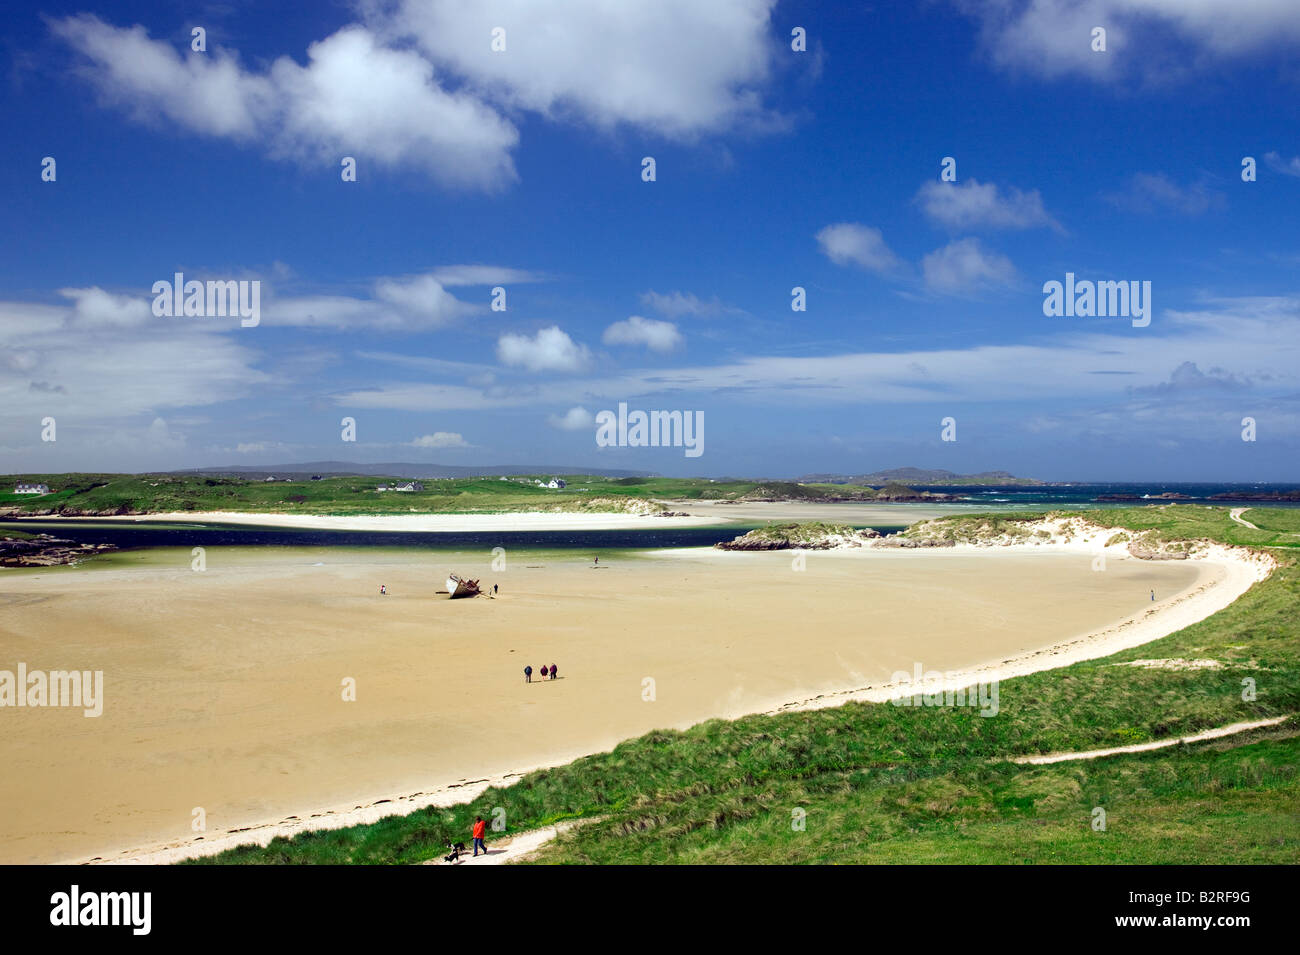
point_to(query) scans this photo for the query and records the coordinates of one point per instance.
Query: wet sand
(224, 687)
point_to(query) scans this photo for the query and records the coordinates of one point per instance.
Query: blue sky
(774, 169)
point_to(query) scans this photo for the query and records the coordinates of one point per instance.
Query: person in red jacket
(478, 831)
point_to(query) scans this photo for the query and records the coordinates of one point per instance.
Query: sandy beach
(698, 513)
(224, 687)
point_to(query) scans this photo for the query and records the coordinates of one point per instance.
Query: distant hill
(397, 469)
(914, 476)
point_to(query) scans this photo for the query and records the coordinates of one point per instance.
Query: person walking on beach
(554, 671)
(494, 590)
(597, 564)
(1153, 595)
(545, 672)
(528, 674)
(478, 831)
(382, 590)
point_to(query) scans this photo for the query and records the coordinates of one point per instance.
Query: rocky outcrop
(810, 536)
(45, 550)
(897, 541)
(608, 505)
(1148, 551)
(1260, 496)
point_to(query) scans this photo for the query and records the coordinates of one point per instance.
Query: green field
(99, 494)
(882, 783)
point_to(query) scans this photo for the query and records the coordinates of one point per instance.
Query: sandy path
(1236, 513)
(510, 848)
(1215, 733)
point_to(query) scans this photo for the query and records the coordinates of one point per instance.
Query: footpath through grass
(882, 783)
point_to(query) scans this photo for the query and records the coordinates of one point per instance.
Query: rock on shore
(795, 536)
(45, 550)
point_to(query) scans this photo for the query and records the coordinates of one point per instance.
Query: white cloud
(364, 99)
(1287, 167)
(652, 333)
(94, 360)
(1237, 337)
(418, 85)
(850, 243)
(1148, 192)
(454, 275)
(1161, 40)
(575, 419)
(354, 97)
(95, 308)
(966, 266)
(551, 349)
(160, 436)
(677, 67)
(440, 439)
(208, 93)
(677, 304)
(973, 205)
(410, 303)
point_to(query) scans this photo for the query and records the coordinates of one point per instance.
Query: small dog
(456, 849)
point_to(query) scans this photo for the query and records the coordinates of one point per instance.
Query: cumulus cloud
(1188, 377)
(575, 419)
(440, 439)
(418, 85)
(95, 308)
(974, 205)
(551, 349)
(966, 266)
(650, 332)
(851, 243)
(677, 67)
(1151, 192)
(357, 96)
(354, 97)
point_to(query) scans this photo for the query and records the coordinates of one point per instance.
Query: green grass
(92, 494)
(882, 783)
(1278, 526)
(1208, 804)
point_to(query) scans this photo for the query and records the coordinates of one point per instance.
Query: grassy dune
(881, 783)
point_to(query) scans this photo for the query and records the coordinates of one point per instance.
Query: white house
(409, 486)
(32, 489)
(555, 483)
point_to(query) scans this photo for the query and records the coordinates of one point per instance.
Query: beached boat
(459, 587)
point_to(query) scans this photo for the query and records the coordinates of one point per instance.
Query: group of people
(552, 673)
